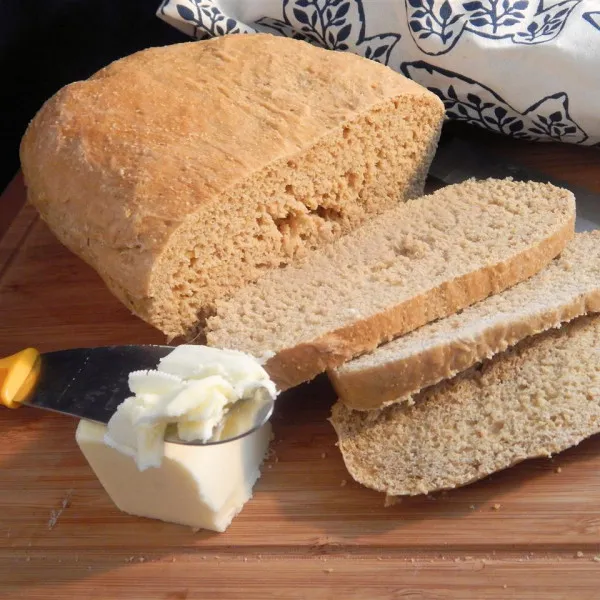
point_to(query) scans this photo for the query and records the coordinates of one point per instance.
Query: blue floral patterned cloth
(525, 68)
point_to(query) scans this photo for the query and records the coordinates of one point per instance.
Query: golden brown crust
(303, 362)
(119, 163)
(392, 378)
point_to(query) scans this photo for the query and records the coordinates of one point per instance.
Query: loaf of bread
(536, 399)
(567, 288)
(423, 260)
(181, 173)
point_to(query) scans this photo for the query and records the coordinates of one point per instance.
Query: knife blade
(90, 383)
(458, 159)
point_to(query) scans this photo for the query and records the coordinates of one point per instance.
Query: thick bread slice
(567, 288)
(423, 260)
(537, 399)
(181, 173)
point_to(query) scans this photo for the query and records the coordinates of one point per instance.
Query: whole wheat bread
(181, 173)
(421, 261)
(567, 288)
(537, 399)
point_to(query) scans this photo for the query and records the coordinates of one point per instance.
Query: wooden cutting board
(310, 532)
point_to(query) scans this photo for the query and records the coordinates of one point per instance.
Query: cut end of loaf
(538, 399)
(293, 207)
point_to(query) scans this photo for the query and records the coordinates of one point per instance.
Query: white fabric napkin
(525, 68)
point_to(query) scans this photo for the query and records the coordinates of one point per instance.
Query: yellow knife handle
(18, 376)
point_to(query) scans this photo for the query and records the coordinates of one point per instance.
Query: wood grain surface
(530, 532)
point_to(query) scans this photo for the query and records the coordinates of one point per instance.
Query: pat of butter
(199, 486)
(193, 388)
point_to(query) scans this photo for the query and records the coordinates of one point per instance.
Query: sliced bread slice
(567, 288)
(422, 260)
(537, 399)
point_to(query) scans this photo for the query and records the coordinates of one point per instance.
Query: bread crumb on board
(596, 558)
(343, 483)
(55, 514)
(579, 554)
(496, 506)
(391, 500)
(558, 470)
(270, 455)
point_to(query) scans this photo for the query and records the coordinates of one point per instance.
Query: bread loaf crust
(368, 385)
(535, 400)
(126, 166)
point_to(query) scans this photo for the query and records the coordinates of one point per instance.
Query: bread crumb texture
(567, 288)
(182, 172)
(535, 400)
(425, 259)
